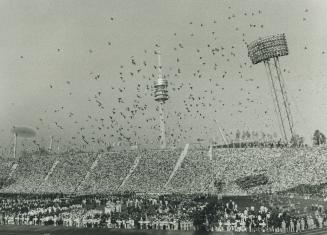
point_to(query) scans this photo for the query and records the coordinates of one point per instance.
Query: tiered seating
(302, 166)
(5, 167)
(69, 172)
(285, 168)
(30, 173)
(110, 172)
(194, 174)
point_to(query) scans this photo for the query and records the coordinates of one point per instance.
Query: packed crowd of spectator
(24, 182)
(194, 174)
(5, 167)
(70, 172)
(286, 168)
(110, 171)
(152, 171)
(149, 171)
(159, 212)
(33, 173)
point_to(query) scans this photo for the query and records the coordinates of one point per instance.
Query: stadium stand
(153, 171)
(110, 171)
(30, 173)
(149, 171)
(193, 174)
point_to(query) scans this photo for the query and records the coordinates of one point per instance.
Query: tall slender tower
(161, 96)
(268, 50)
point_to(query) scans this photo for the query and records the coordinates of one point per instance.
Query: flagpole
(15, 144)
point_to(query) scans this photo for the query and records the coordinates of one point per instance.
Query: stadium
(86, 185)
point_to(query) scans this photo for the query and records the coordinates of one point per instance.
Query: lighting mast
(268, 50)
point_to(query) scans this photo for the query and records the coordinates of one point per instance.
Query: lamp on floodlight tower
(268, 50)
(161, 96)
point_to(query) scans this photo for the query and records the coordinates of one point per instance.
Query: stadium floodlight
(268, 50)
(161, 96)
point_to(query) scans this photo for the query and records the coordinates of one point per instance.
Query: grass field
(244, 201)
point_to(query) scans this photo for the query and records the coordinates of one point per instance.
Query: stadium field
(50, 230)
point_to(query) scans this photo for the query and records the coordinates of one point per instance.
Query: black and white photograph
(175, 117)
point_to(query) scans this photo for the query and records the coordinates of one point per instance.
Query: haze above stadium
(60, 66)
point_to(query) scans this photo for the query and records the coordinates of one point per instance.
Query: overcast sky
(52, 51)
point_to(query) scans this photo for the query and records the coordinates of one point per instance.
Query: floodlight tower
(161, 96)
(268, 50)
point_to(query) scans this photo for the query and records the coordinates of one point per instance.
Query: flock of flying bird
(130, 116)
